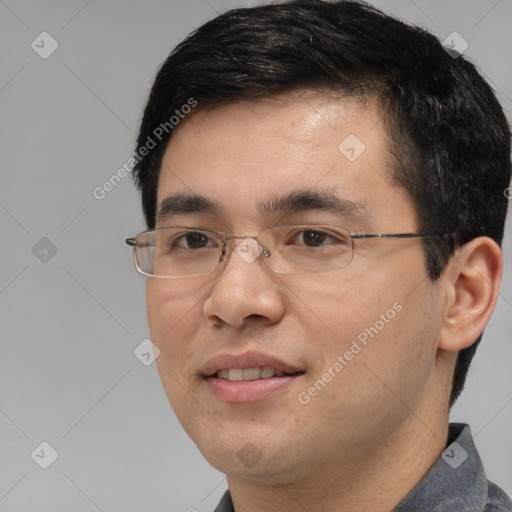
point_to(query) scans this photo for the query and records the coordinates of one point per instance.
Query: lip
(245, 360)
(247, 391)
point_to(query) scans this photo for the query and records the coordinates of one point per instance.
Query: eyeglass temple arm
(132, 242)
(399, 235)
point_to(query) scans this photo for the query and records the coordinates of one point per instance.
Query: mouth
(250, 374)
(248, 377)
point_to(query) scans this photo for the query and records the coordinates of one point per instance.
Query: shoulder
(497, 499)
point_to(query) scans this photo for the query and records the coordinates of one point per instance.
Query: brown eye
(192, 240)
(315, 238)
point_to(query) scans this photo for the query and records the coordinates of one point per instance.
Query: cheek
(381, 328)
(172, 305)
(173, 311)
(336, 313)
(387, 343)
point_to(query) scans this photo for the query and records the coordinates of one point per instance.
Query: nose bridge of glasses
(248, 248)
(240, 237)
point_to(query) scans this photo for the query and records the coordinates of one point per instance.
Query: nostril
(255, 316)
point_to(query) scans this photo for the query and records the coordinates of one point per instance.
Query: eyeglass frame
(132, 242)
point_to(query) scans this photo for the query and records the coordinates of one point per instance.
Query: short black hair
(449, 138)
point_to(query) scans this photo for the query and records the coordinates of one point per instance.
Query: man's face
(360, 342)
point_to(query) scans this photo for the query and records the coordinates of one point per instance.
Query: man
(324, 189)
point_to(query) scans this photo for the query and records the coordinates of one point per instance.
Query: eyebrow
(309, 200)
(297, 201)
(183, 204)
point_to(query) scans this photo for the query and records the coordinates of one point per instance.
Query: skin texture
(377, 427)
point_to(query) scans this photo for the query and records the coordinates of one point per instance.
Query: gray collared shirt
(455, 483)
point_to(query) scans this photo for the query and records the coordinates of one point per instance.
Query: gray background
(70, 321)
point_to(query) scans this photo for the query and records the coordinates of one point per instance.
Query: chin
(252, 458)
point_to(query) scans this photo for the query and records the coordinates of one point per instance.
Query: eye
(193, 240)
(316, 238)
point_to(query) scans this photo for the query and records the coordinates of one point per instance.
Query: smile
(248, 377)
(238, 374)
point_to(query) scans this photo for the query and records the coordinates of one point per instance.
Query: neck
(376, 480)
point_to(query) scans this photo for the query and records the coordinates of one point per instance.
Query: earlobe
(473, 278)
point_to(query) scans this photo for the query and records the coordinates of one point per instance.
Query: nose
(247, 290)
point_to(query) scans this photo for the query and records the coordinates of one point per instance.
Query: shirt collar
(456, 481)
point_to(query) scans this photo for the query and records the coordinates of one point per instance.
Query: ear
(473, 279)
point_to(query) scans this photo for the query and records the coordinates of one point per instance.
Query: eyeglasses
(175, 252)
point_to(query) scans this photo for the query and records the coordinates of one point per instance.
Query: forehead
(240, 154)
